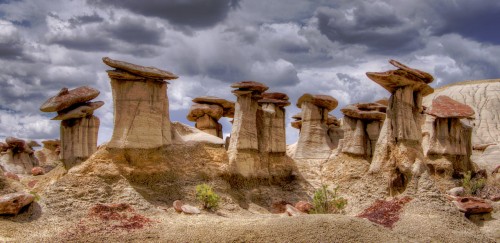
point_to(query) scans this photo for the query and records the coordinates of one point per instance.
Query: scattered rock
(304, 206)
(292, 211)
(472, 205)
(178, 206)
(456, 191)
(188, 209)
(11, 176)
(37, 171)
(12, 203)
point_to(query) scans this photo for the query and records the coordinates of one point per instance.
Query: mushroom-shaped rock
(147, 72)
(446, 107)
(250, 85)
(275, 96)
(81, 110)
(404, 76)
(228, 106)
(66, 98)
(51, 144)
(332, 120)
(323, 101)
(296, 124)
(398, 153)
(15, 143)
(12, 203)
(297, 116)
(365, 111)
(140, 105)
(198, 110)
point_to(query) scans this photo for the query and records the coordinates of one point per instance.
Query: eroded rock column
(17, 156)
(79, 127)
(362, 123)
(314, 141)
(243, 151)
(141, 115)
(207, 111)
(398, 153)
(447, 141)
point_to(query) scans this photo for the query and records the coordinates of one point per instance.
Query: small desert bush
(472, 185)
(208, 198)
(327, 201)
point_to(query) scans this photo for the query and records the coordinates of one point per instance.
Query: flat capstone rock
(66, 98)
(147, 72)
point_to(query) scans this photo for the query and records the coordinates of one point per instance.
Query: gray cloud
(190, 13)
(377, 25)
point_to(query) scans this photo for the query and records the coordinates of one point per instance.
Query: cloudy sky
(294, 46)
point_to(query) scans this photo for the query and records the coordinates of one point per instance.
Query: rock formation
(13, 203)
(361, 124)
(484, 98)
(447, 141)
(314, 141)
(141, 115)
(17, 156)
(206, 112)
(79, 127)
(243, 150)
(48, 156)
(398, 153)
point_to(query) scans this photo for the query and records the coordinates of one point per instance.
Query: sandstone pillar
(17, 156)
(141, 115)
(447, 141)
(314, 141)
(398, 153)
(79, 127)
(243, 151)
(361, 124)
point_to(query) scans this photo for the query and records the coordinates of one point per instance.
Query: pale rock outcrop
(398, 153)
(184, 134)
(207, 111)
(484, 98)
(48, 156)
(361, 124)
(446, 140)
(79, 127)
(141, 115)
(243, 150)
(17, 156)
(314, 141)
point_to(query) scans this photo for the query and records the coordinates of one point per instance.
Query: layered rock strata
(447, 141)
(207, 111)
(361, 124)
(79, 127)
(17, 156)
(314, 141)
(398, 153)
(141, 115)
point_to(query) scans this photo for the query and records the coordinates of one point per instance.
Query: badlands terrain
(401, 163)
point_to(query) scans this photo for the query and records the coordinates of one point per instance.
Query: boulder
(456, 191)
(66, 98)
(472, 205)
(178, 206)
(78, 111)
(12, 203)
(11, 176)
(37, 171)
(303, 206)
(188, 209)
(147, 72)
(446, 107)
(292, 211)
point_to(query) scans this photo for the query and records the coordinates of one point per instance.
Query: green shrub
(472, 185)
(327, 201)
(207, 196)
